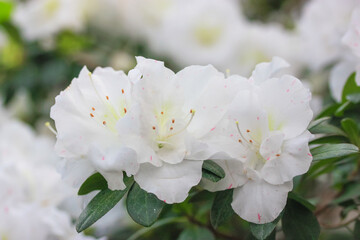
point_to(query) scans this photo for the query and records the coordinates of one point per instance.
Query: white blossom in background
(260, 43)
(87, 116)
(173, 114)
(142, 19)
(321, 27)
(199, 32)
(43, 19)
(265, 136)
(31, 190)
(350, 63)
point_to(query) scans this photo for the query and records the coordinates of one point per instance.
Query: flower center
(207, 35)
(110, 110)
(169, 126)
(253, 157)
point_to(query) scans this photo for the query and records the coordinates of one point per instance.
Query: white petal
(286, 102)
(338, 76)
(207, 92)
(111, 162)
(294, 160)
(264, 71)
(271, 145)
(171, 182)
(153, 70)
(260, 202)
(76, 171)
(234, 176)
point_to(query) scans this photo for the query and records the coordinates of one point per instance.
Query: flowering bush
(246, 127)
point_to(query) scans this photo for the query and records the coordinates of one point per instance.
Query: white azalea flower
(321, 34)
(260, 43)
(42, 19)
(352, 36)
(340, 73)
(264, 133)
(86, 116)
(199, 32)
(146, 16)
(174, 113)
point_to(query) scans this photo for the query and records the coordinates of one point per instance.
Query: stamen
(173, 121)
(104, 122)
(125, 110)
(48, 125)
(107, 97)
(93, 108)
(192, 111)
(278, 155)
(248, 143)
(91, 115)
(122, 90)
(162, 113)
(153, 127)
(171, 128)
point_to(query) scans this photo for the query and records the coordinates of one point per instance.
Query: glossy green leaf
(212, 171)
(350, 88)
(143, 207)
(343, 107)
(354, 98)
(94, 182)
(351, 129)
(329, 151)
(328, 111)
(102, 203)
(329, 140)
(196, 233)
(326, 128)
(301, 200)
(299, 223)
(317, 122)
(221, 209)
(263, 231)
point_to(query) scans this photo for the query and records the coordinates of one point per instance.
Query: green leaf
(328, 129)
(350, 87)
(143, 207)
(354, 98)
(357, 230)
(5, 10)
(351, 191)
(329, 151)
(301, 200)
(299, 223)
(94, 182)
(212, 171)
(102, 203)
(221, 209)
(329, 140)
(328, 111)
(196, 233)
(343, 107)
(317, 122)
(351, 129)
(263, 231)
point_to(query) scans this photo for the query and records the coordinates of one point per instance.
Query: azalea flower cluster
(31, 189)
(160, 127)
